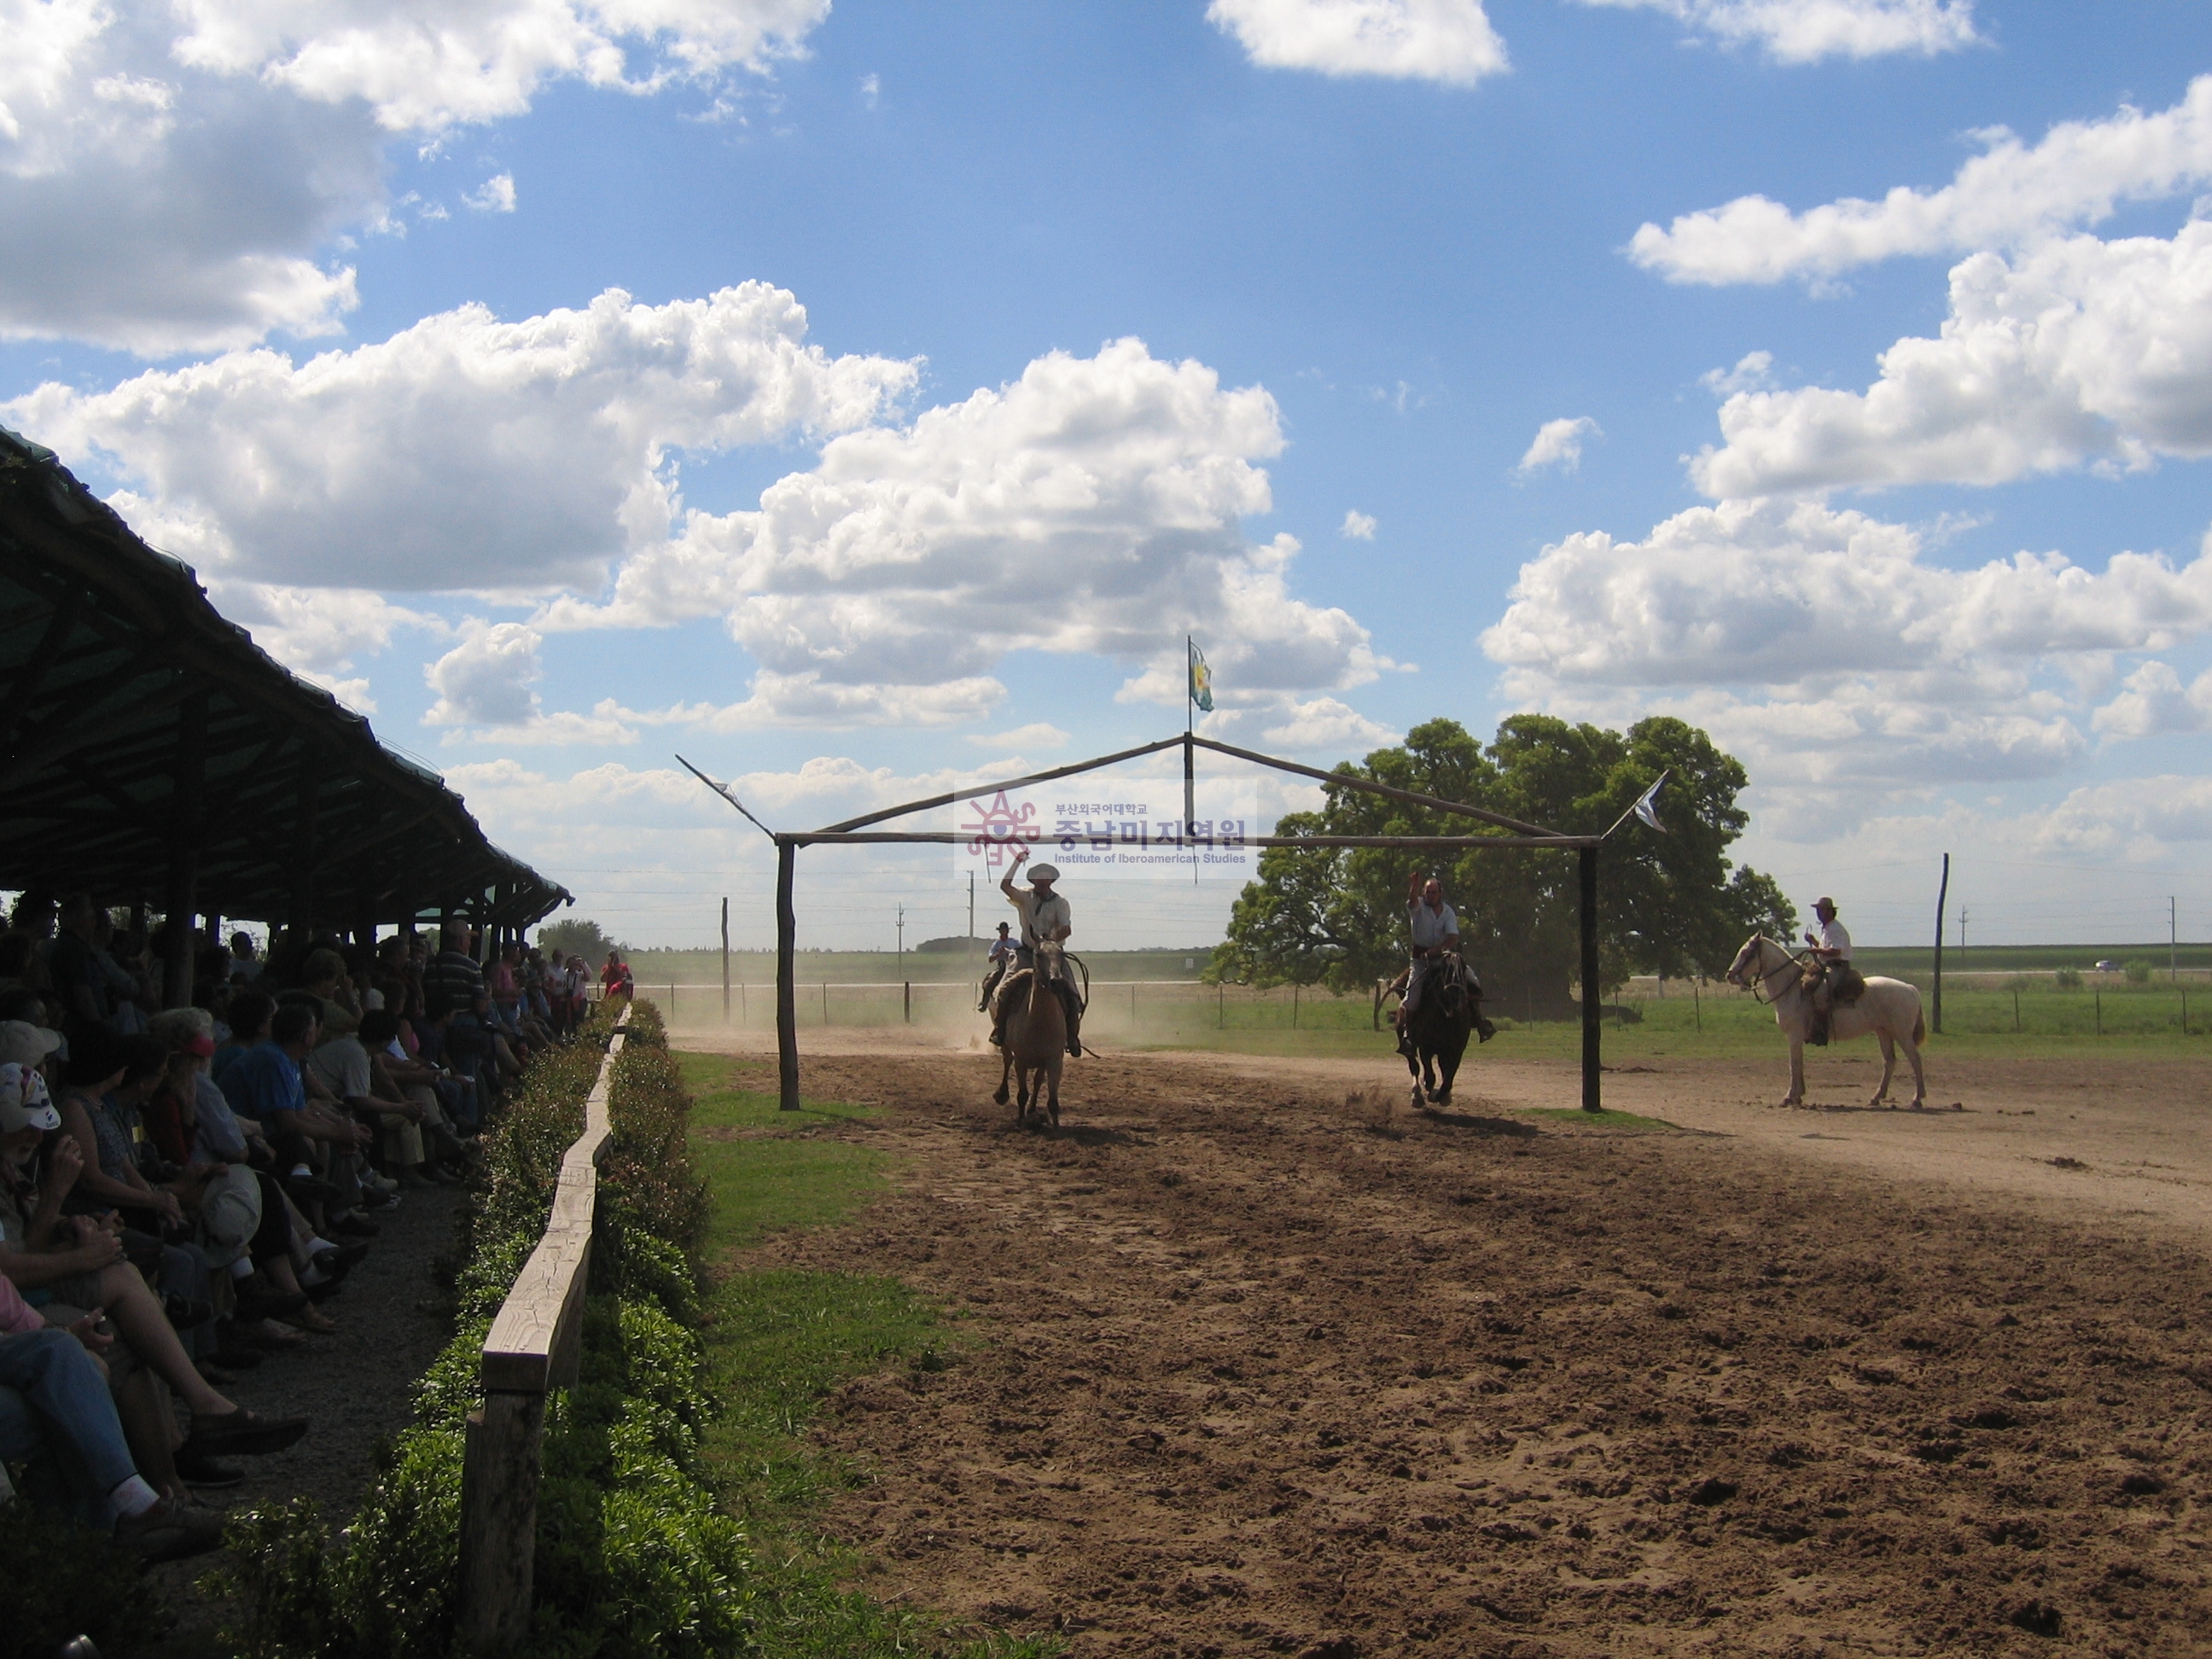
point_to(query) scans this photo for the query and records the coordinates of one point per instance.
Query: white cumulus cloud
(424, 65)
(1806, 31)
(173, 174)
(2153, 703)
(1446, 40)
(464, 451)
(2075, 352)
(2010, 194)
(495, 195)
(1559, 443)
(1357, 526)
(1828, 652)
(1091, 506)
(488, 682)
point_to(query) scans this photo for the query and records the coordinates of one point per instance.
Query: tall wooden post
(1942, 893)
(787, 1008)
(188, 787)
(1593, 1099)
(303, 850)
(726, 958)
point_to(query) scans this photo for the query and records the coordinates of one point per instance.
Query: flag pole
(1190, 753)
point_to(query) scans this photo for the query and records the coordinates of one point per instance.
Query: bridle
(1756, 983)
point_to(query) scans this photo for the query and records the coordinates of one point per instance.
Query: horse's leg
(1052, 1088)
(1006, 1071)
(1796, 1095)
(1888, 1065)
(1447, 1065)
(1919, 1078)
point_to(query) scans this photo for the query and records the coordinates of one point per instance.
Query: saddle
(1844, 982)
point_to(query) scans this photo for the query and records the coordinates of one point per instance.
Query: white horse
(1889, 1008)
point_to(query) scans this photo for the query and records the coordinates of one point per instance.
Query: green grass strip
(778, 1340)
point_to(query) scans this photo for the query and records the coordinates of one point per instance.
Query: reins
(1791, 962)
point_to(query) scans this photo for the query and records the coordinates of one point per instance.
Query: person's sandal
(198, 1469)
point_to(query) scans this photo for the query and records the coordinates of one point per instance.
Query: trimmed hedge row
(634, 1557)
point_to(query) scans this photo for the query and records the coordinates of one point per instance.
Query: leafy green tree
(1670, 903)
(581, 935)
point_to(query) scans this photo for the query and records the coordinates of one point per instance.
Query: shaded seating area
(198, 1144)
(152, 753)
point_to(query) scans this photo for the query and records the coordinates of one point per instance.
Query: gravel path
(355, 1385)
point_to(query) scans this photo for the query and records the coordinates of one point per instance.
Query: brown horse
(1035, 1035)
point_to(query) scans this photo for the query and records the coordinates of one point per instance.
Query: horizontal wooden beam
(952, 838)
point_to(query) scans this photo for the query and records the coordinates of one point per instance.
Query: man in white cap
(1045, 916)
(24, 1044)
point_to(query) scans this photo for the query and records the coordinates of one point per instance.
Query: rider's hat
(1043, 872)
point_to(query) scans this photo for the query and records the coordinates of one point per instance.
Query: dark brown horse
(1451, 1009)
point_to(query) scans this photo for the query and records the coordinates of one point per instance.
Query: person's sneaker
(413, 1180)
(197, 1469)
(169, 1532)
(381, 1182)
(375, 1198)
(354, 1227)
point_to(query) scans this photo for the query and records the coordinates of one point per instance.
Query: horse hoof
(1000, 1097)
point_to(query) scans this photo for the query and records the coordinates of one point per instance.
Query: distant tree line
(1671, 904)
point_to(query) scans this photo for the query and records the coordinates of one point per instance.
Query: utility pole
(902, 941)
(2173, 941)
(1942, 893)
(726, 958)
(1963, 913)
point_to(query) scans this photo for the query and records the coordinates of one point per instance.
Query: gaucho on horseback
(1434, 927)
(1830, 979)
(1045, 918)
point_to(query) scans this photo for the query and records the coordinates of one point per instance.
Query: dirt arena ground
(1260, 1372)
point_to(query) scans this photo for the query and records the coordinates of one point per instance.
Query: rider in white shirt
(1831, 945)
(1046, 917)
(1434, 929)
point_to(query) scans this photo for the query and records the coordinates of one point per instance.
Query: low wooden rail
(533, 1346)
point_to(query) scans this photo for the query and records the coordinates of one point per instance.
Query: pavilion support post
(786, 1007)
(1593, 1098)
(303, 855)
(182, 898)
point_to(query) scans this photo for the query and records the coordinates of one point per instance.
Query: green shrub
(634, 1558)
(2067, 979)
(2138, 971)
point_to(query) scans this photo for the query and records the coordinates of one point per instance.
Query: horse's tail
(1919, 1028)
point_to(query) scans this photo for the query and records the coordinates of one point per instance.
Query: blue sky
(1371, 249)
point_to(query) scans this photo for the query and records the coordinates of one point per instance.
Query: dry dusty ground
(1259, 1374)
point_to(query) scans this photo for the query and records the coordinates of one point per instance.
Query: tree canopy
(581, 935)
(1671, 904)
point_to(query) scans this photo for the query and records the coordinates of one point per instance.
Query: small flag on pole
(1646, 807)
(1201, 678)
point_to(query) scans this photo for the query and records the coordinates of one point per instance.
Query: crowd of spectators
(184, 1190)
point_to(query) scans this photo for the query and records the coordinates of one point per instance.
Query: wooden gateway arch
(859, 831)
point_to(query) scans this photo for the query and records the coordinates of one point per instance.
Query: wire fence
(1191, 1013)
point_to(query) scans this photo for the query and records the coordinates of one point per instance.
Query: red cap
(197, 1046)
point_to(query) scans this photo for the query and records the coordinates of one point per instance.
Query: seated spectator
(72, 1266)
(244, 963)
(54, 1397)
(266, 1084)
(453, 973)
(343, 1063)
(323, 988)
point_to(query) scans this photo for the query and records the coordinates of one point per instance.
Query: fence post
(908, 986)
(500, 1460)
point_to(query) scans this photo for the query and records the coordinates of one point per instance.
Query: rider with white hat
(1045, 916)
